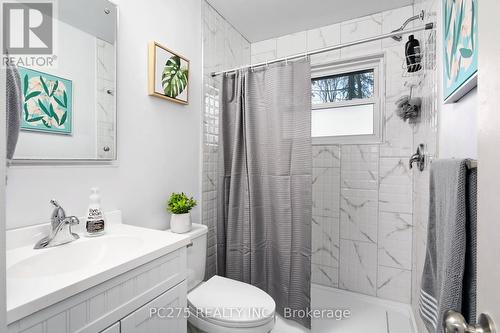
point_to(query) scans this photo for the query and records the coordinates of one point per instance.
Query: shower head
(399, 38)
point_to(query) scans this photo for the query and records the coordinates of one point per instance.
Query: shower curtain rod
(428, 26)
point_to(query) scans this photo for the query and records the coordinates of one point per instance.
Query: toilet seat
(223, 304)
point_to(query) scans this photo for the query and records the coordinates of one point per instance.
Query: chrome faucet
(61, 228)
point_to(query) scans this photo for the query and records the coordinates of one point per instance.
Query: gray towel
(449, 276)
(14, 108)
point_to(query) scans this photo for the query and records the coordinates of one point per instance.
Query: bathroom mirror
(69, 107)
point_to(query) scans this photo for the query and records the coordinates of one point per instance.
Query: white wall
(458, 128)
(158, 141)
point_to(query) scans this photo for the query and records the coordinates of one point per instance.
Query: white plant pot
(180, 223)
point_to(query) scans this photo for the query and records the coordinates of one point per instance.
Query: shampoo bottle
(413, 56)
(95, 216)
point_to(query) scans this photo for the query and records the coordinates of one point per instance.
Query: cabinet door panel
(170, 317)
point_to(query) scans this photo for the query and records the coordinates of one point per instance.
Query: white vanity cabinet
(120, 304)
(171, 316)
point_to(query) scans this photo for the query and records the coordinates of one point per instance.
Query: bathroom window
(346, 101)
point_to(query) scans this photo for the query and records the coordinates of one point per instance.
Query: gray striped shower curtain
(265, 182)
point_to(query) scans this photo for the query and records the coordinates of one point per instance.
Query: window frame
(345, 66)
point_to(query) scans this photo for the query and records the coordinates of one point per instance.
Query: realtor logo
(27, 28)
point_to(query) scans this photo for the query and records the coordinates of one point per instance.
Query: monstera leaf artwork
(168, 74)
(46, 102)
(174, 78)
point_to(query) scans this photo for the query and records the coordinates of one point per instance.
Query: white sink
(39, 278)
(78, 255)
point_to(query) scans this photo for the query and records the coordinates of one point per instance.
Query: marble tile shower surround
(362, 194)
(223, 47)
(362, 226)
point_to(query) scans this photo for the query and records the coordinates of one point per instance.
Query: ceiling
(263, 19)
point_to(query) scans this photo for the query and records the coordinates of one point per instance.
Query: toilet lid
(231, 303)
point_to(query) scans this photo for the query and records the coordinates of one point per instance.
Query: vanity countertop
(40, 278)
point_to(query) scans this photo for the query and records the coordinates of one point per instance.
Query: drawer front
(101, 306)
(164, 314)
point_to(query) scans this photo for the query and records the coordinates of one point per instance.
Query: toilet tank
(196, 255)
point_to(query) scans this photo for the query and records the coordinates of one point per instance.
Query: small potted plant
(179, 206)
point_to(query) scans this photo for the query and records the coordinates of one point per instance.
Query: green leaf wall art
(460, 49)
(168, 74)
(47, 103)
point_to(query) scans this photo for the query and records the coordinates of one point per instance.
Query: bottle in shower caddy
(413, 55)
(95, 217)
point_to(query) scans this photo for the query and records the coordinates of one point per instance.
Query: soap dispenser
(95, 216)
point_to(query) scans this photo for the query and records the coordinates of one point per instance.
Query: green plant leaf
(174, 79)
(44, 108)
(65, 99)
(53, 113)
(447, 65)
(465, 52)
(54, 88)
(26, 84)
(34, 119)
(473, 23)
(26, 112)
(447, 17)
(31, 95)
(63, 118)
(180, 203)
(46, 123)
(58, 101)
(44, 86)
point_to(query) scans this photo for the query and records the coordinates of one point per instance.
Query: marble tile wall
(362, 194)
(223, 47)
(326, 215)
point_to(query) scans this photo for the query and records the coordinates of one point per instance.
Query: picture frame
(168, 74)
(460, 48)
(47, 102)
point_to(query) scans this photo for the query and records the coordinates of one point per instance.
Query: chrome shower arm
(411, 19)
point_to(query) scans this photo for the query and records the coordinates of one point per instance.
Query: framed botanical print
(460, 48)
(47, 102)
(168, 74)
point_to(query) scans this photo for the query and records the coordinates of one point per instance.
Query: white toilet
(222, 305)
